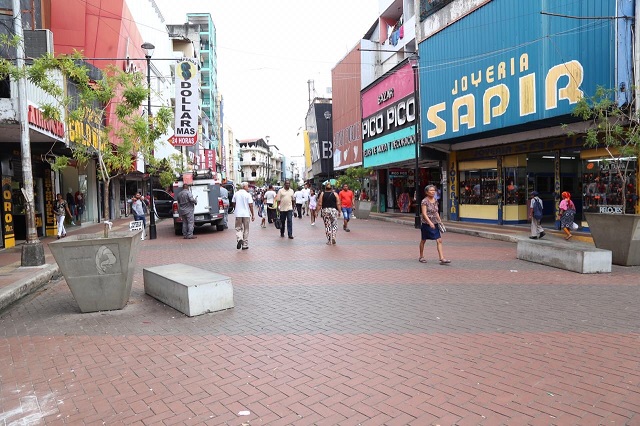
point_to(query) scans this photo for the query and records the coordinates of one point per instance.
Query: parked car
(163, 202)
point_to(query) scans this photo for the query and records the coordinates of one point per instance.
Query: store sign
(210, 159)
(389, 149)
(86, 132)
(49, 217)
(395, 117)
(7, 213)
(37, 120)
(610, 209)
(543, 78)
(187, 82)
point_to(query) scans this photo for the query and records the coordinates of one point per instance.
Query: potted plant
(615, 129)
(99, 268)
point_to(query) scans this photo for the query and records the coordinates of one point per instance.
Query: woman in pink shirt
(567, 213)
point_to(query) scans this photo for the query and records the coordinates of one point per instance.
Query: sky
(268, 50)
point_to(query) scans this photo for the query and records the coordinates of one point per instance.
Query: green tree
(116, 145)
(614, 128)
(354, 177)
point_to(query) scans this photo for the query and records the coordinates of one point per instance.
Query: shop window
(602, 185)
(515, 190)
(479, 187)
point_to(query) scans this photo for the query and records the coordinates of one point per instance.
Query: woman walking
(567, 213)
(313, 202)
(60, 209)
(329, 207)
(430, 224)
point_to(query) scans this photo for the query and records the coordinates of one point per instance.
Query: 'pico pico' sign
(187, 83)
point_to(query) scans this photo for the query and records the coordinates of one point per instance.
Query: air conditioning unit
(38, 43)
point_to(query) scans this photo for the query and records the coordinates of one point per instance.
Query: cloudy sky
(268, 50)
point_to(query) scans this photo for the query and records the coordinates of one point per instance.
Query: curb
(26, 286)
(453, 228)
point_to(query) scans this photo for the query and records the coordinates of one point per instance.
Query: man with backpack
(535, 216)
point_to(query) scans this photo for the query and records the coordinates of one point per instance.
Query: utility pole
(32, 250)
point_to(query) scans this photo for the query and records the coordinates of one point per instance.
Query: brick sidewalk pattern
(359, 333)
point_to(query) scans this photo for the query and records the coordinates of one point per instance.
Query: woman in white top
(313, 202)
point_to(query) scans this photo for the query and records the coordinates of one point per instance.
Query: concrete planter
(363, 209)
(618, 233)
(98, 270)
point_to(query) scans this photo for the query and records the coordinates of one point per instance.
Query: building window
(429, 7)
(602, 185)
(479, 187)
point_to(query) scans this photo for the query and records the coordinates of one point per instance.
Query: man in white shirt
(307, 192)
(299, 197)
(243, 209)
(285, 201)
(269, 198)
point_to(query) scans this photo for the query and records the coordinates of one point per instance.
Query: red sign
(210, 159)
(183, 140)
(36, 118)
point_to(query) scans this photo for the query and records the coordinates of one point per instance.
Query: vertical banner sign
(7, 214)
(49, 218)
(187, 83)
(210, 159)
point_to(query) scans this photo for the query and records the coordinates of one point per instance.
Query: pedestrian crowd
(280, 208)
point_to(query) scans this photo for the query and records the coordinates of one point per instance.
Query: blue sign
(391, 148)
(512, 62)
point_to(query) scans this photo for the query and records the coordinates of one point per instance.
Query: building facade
(500, 103)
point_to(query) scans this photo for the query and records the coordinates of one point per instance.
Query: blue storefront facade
(497, 88)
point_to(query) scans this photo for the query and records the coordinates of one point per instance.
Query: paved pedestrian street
(356, 333)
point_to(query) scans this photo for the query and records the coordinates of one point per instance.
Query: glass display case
(479, 187)
(603, 186)
(515, 191)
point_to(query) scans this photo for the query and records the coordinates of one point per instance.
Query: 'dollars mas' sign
(187, 82)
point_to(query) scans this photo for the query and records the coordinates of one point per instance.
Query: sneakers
(291, 237)
(533, 237)
(542, 234)
(347, 229)
(239, 244)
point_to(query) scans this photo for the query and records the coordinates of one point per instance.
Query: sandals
(422, 260)
(444, 261)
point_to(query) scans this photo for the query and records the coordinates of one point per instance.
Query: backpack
(537, 208)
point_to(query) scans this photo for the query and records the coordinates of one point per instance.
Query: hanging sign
(187, 83)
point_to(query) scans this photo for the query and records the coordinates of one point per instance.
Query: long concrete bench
(570, 255)
(190, 290)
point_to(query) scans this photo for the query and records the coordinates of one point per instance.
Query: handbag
(277, 222)
(574, 226)
(441, 227)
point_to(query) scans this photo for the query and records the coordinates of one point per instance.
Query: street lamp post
(327, 116)
(413, 60)
(148, 51)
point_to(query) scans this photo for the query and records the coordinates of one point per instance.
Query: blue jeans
(287, 217)
(346, 213)
(141, 217)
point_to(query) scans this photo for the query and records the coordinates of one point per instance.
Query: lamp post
(148, 51)
(413, 60)
(327, 116)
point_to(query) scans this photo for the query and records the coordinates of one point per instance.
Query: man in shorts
(347, 200)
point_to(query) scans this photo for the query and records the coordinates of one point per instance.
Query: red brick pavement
(357, 333)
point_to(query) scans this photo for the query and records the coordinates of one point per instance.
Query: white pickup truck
(208, 210)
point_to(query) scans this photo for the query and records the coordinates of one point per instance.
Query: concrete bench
(190, 290)
(570, 255)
